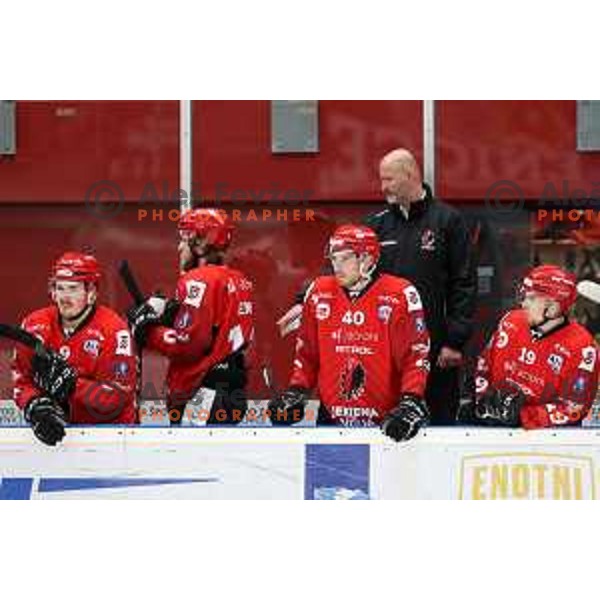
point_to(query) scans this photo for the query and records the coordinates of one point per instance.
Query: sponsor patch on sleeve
(413, 299)
(123, 343)
(194, 292)
(588, 359)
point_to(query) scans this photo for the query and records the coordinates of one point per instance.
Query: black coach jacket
(432, 248)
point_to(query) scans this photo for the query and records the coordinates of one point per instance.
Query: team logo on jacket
(65, 352)
(323, 311)
(384, 312)
(556, 362)
(91, 347)
(420, 324)
(428, 240)
(352, 381)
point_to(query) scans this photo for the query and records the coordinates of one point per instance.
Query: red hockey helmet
(76, 266)
(210, 224)
(358, 238)
(554, 282)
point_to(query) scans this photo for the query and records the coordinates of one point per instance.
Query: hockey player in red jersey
(539, 369)
(207, 335)
(363, 344)
(88, 375)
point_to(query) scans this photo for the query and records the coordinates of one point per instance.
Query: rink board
(327, 463)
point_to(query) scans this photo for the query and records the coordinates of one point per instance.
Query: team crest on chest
(556, 362)
(384, 312)
(92, 347)
(428, 240)
(352, 380)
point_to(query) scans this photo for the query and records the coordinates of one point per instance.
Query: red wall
(63, 147)
(233, 146)
(529, 142)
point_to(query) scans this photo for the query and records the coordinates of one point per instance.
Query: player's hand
(158, 303)
(170, 313)
(290, 321)
(165, 308)
(53, 375)
(500, 407)
(403, 422)
(449, 358)
(288, 407)
(140, 318)
(47, 420)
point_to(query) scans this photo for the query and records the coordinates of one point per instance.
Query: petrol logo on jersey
(556, 363)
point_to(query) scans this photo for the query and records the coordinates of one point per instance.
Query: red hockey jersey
(558, 372)
(214, 320)
(100, 350)
(362, 353)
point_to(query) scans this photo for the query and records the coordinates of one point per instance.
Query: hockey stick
(267, 374)
(138, 297)
(20, 335)
(131, 283)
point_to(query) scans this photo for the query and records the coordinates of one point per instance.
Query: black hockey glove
(54, 376)
(500, 407)
(288, 407)
(466, 411)
(141, 318)
(165, 308)
(403, 422)
(171, 309)
(47, 420)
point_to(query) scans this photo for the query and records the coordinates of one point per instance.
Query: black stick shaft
(130, 282)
